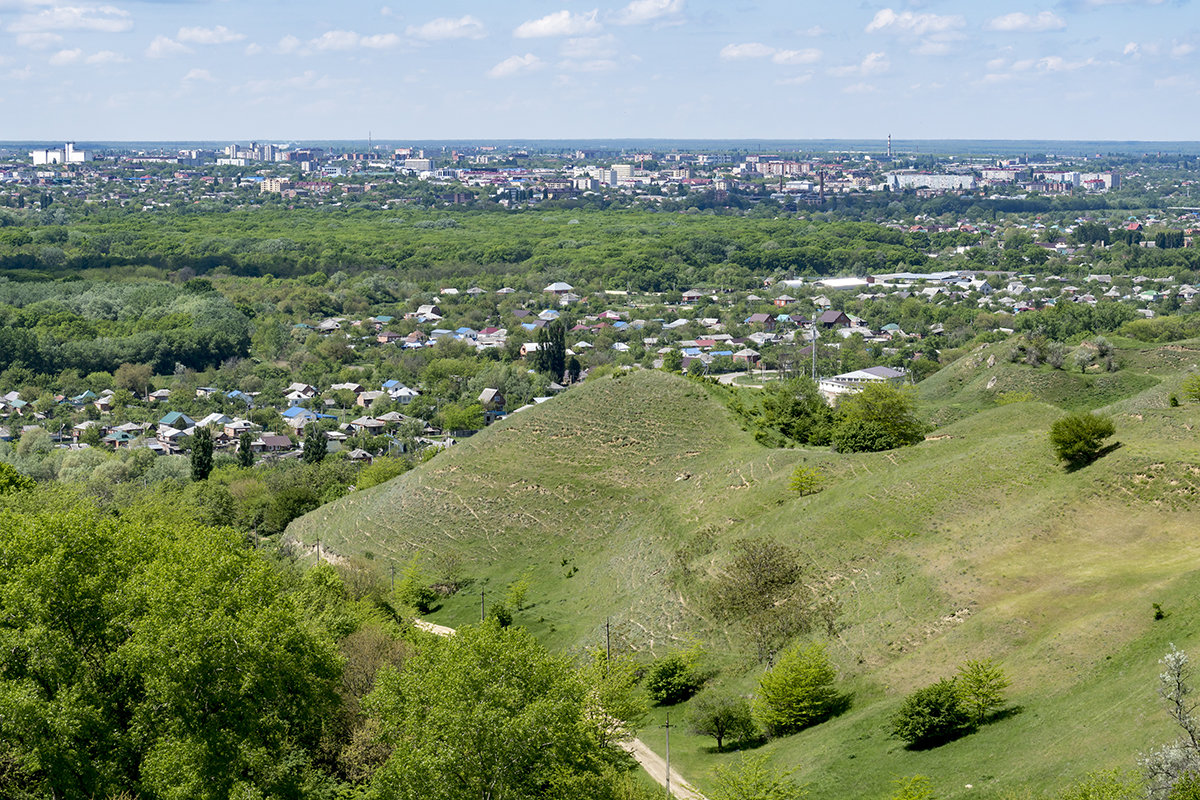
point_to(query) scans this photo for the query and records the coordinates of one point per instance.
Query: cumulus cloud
(164, 46)
(806, 56)
(218, 35)
(514, 65)
(197, 75)
(38, 41)
(106, 57)
(888, 21)
(560, 23)
(642, 11)
(104, 19)
(872, 64)
(734, 52)
(1131, 49)
(466, 27)
(1020, 22)
(64, 57)
(288, 44)
(349, 40)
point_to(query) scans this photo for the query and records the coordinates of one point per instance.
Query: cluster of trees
(952, 707)
(148, 654)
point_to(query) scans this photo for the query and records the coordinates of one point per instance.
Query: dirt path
(655, 766)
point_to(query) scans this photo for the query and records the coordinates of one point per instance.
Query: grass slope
(972, 544)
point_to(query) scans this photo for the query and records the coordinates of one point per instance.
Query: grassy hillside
(972, 544)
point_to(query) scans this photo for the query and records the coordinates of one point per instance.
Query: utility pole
(318, 549)
(393, 578)
(607, 642)
(668, 727)
(481, 590)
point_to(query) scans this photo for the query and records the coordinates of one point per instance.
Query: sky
(287, 70)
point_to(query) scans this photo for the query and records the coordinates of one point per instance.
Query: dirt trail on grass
(655, 765)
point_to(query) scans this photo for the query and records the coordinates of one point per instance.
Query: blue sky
(275, 70)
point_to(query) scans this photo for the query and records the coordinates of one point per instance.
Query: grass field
(621, 497)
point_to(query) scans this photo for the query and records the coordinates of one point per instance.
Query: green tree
(573, 370)
(134, 378)
(749, 778)
(798, 691)
(316, 444)
(13, 481)
(245, 450)
(718, 713)
(1078, 438)
(981, 686)
(673, 678)
(490, 713)
(202, 454)
(1191, 388)
(414, 589)
(1106, 785)
(880, 417)
(915, 787)
(460, 418)
(806, 480)
(515, 594)
(673, 360)
(931, 716)
(380, 470)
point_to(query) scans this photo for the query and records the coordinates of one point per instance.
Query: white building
(67, 154)
(853, 382)
(922, 180)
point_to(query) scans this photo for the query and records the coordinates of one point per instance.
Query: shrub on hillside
(880, 417)
(673, 678)
(931, 716)
(798, 691)
(1077, 438)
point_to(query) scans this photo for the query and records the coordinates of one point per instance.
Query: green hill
(974, 544)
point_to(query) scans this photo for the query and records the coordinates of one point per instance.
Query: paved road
(729, 377)
(655, 766)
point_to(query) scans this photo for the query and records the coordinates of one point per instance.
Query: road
(729, 377)
(655, 766)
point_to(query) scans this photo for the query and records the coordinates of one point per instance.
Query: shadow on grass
(953, 736)
(740, 746)
(1075, 466)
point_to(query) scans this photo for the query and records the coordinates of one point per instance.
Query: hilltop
(623, 495)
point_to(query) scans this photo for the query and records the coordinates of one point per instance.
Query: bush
(1077, 438)
(798, 691)
(931, 716)
(673, 679)
(751, 779)
(880, 417)
(1191, 388)
(981, 686)
(806, 480)
(721, 715)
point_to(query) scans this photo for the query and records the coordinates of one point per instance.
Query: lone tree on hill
(552, 350)
(1077, 438)
(202, 454)
(722, 715)
(316, 445)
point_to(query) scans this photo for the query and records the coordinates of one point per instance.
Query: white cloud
(336, 40)
(887, 20)
(641, 11)
(1182, 49)
(859, 88)
(379, 41)
(872, 64)
(195, 75)
(253, 49)
(592, 65)
(164, 46)
(288, 44)
(514, 65)
(815, 30)
(467, 27)
(64, 57)
(105, 19)
(1020, 22)
(560, 23)
(1131, 49)
(733, 52)
(106, 57)
(217, 35)
(798, 80)
(806, 56)
(1051, 64)
(931, 48)
(38, 41)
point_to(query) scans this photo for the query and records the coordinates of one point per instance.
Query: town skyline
(663, 69)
